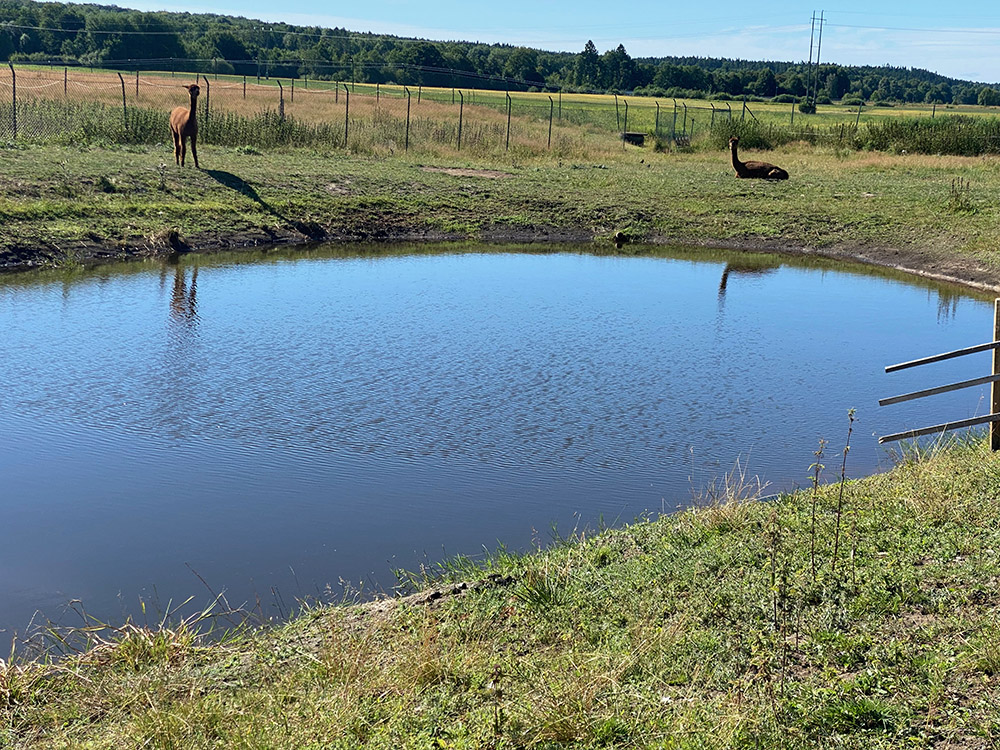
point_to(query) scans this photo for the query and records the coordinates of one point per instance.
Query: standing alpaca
(184, 125)
(759, 169)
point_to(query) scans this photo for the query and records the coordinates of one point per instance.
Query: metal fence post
(507, 147)
(13, 88)
(292, 80)
(137, 83)
(625, 129)
(208, 96)
(551, 107)
(347, 111)
(407, 146)
(124, 108)
(281, 100)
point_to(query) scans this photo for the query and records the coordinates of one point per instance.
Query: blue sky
(962, 41)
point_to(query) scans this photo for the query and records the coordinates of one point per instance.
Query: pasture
(59, 105)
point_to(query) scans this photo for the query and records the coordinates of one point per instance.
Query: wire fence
(71, 105)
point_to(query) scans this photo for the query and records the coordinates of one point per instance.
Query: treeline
(109, 36)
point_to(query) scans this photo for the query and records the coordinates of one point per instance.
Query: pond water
(271, 425)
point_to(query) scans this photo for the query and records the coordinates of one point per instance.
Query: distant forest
(112, 37)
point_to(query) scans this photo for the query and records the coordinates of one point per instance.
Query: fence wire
(70, 105)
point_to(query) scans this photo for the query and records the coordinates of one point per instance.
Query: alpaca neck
(737, 164)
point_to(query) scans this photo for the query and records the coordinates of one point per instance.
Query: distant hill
(109, 36)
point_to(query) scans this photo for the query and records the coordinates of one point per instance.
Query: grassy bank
(62, 205)
(862, 615)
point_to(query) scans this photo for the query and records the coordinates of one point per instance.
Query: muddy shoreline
(963, 270)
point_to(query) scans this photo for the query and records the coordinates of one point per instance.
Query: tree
(988, 97)
(588, 67)
(766, 83)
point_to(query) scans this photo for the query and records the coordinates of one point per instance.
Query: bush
(852, 101)
(785, 99)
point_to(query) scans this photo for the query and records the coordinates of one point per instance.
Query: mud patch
(490, 174)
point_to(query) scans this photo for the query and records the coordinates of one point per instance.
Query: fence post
(292, 80)
(858, 118)
(208, 95)
(625, 129)
(244, 87)
(656, 128)
(684, 104)
(995, 386)
(407, 146)
(13, 87)
(713, 115)
(137, 83)
(744, 113)
(124, 108)
(347, 111)
(551, 106)
(420, 88)
(377, 93)
(673, 128)
(281, 100)
(461, 110)
(507, 147)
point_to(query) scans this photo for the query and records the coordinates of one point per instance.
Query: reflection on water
(340, 415)
(184, 297)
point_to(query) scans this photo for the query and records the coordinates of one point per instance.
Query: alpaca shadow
(241, 186)
(244, 188)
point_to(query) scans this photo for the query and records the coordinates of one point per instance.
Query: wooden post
(995, 387)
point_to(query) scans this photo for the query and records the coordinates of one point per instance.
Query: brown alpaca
(184, 125)
(760, 169)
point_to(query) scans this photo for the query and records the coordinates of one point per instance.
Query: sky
(961, 41)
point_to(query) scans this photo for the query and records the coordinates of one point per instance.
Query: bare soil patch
(490, 174)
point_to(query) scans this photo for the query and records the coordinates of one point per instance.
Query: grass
(709, 628)
(123, 201)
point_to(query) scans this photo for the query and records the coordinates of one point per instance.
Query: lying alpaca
(759, 169)
(184, 125)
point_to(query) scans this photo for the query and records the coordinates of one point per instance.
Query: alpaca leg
(183, 149)
(177, 147)
(194, 150)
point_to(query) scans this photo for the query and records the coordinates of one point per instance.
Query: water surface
(270, 425)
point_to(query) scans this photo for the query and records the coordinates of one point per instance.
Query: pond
(274, 425)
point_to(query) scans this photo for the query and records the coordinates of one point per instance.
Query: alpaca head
(193, 89)
(734, 140)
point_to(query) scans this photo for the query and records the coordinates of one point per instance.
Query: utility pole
(819, 46)
(812, 35)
